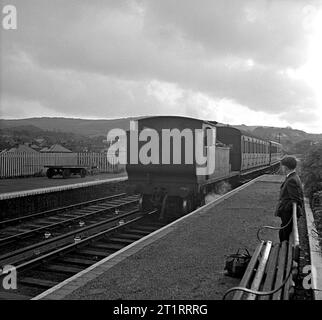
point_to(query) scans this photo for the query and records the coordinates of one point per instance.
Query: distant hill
(291, 139)
(286, 134)
(11, 136)
(246, 128)
(77, 126)
(29, 129)
(94, 128)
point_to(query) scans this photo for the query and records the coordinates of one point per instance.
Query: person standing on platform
(291, 191)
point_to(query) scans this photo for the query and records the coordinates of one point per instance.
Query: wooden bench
(272, 268)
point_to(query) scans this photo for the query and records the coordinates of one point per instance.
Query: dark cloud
(269, 32)
(98, 58)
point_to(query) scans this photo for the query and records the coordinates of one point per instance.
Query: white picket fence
(27, 164)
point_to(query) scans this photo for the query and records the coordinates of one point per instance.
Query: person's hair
(289, 162)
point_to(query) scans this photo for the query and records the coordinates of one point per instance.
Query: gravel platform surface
(188, 262)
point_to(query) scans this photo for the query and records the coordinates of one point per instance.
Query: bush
(312, 171)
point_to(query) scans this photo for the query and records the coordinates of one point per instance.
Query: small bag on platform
(237, 263)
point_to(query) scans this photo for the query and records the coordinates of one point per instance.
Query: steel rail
(36, 261)
(60, 223)
(52, 211)
(45, 246)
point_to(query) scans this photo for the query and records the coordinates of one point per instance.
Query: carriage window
(212, 137)
(205, 137)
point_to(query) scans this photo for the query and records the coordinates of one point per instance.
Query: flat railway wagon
(65, 171)
(176, 187)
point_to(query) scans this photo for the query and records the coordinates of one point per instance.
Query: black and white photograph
(161, 155)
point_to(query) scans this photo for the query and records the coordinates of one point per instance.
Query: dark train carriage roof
(212, 123)
(243, 132)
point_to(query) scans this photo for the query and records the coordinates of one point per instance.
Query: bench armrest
(271, 228)
(295, 233)
(258, 293)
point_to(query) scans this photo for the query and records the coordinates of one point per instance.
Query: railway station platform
(184, 260)
(15, 185)
(25, 196)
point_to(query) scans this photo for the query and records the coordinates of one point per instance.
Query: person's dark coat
(291, 191)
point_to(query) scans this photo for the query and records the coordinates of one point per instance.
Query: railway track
(48, 269)
(38, 228)
(47, 248)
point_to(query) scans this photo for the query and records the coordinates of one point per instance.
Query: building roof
(22, 148)
(34, 146)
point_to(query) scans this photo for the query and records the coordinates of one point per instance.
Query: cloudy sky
(256, 62)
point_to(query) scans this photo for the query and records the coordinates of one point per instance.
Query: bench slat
(282, 257)
(260, 270)
(271, 269)
(249, 271)
(288, 284)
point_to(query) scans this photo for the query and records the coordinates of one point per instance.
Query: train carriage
(178, 184)
(178, 187)
(247, 151)
(275, 152)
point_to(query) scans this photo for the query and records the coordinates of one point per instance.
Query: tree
(302, 146)
(312, 170)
